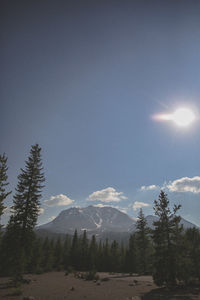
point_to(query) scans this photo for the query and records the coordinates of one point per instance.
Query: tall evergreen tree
(25, 209)
(106, 256)
(66, 251)
(47, 255)
(192, 253)
(131, 260)
(165, 237)
(3, 183)
(115, 257)
(28, 192)
(93, 252)
(84, 251)
(142, 243)
(75, 252)
(58, 255)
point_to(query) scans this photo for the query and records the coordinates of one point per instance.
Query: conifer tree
(93, 250)
(142, 242)
(84, 251)
(47, 255)
(75, 251)
(192, 253)
(58, 255)
(100, 257)
(131, 255)
(3, 184)
(25, 210)
(106, 256)
(34, 264)
(66, 251)
(28, 192)
(115, 258)
(165, 236)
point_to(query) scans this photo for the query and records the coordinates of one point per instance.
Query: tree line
(167, 252)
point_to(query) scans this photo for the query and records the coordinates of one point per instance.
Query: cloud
(59, 200)
(51, 218)
(7, 211)
(185, 184)
(149, 187)
(101, 205)
(41, 211)
(137, 205)
(122, 209)
(107, 195)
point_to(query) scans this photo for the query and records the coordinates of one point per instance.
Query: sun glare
(182, 117)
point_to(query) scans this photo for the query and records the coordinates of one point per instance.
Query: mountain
(95, 220)
(105, 222)
(151, 219)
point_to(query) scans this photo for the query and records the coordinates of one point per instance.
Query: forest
(168, 252)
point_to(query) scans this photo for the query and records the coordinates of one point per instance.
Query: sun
(183, 117)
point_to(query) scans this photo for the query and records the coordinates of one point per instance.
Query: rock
(72, 288)
(29, 298)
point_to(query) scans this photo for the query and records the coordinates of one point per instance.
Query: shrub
(70, 269)
(15, 292)
(91, 275)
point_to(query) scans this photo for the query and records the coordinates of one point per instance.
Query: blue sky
(83, 79)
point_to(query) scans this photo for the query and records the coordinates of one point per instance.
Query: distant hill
(104, 222)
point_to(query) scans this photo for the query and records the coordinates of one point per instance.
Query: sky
(84, 80)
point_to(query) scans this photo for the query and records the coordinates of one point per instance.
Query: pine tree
(84, 251)
(3, 184)
(66, 251)
(93, 250)
(106, 257)
(75, 252)
(115, 257)
(131, 255)
(165, 237)
(142, 243)
(192, 253)
(47, 255)
(28, 192)
(100, 257)
(25, 210)
(34, 265)
(58, 255)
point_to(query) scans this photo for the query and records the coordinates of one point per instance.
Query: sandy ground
(56, 285)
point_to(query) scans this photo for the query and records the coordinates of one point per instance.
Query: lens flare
(182, 117)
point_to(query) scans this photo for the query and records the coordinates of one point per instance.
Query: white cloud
(59, 200)
(41, 211)
(107, 195)
(137, 205)
(122, 209)
(149, 187)
(51, 218)
(101, 205)
(7, 211)
(185, 184)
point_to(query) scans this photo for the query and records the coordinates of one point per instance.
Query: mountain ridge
(97, 220)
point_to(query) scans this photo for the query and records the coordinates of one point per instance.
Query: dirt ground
(57, 286)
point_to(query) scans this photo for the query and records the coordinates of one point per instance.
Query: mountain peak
(97, 220)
